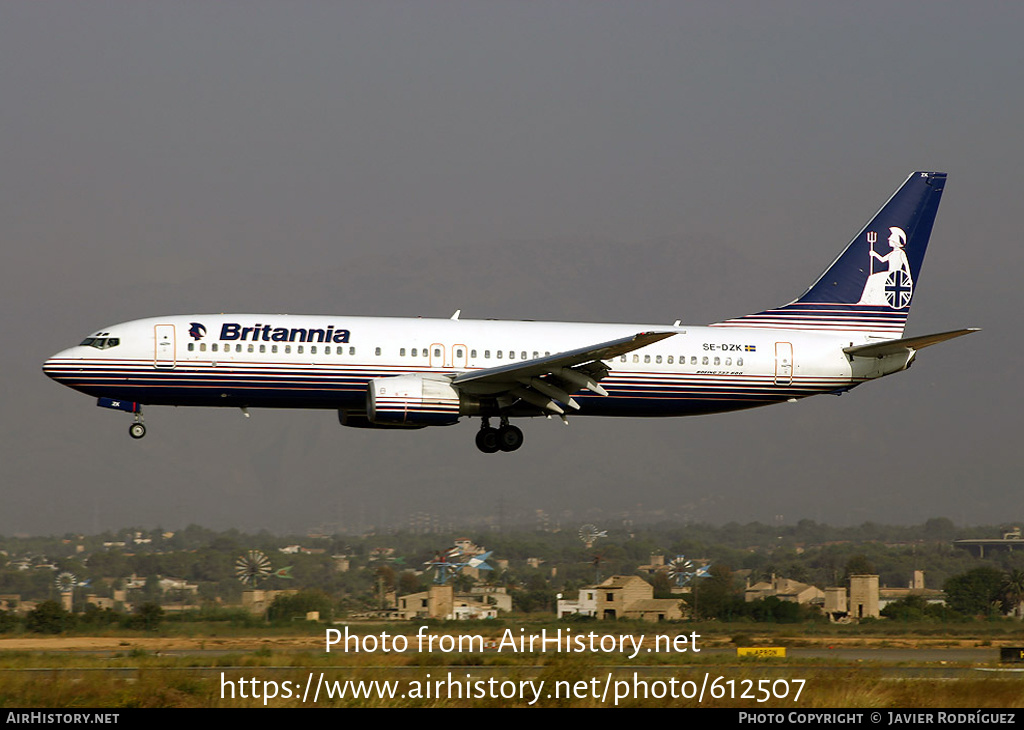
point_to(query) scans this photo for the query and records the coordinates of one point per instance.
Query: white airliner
(411, 373)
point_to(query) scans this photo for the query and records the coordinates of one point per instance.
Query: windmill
(66, 582)
(451, 562)
(589, 534)
(684, 571)
(252, 568)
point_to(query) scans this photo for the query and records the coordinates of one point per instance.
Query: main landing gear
(490, 440)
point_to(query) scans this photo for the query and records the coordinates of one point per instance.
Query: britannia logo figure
(197, 331)
(892, 286)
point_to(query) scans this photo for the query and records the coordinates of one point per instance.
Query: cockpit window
(101, 343)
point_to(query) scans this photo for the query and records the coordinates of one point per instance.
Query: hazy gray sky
(629, 162)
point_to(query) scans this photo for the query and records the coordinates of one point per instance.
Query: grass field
(212, 667)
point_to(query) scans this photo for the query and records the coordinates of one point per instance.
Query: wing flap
(553, 363)
(545, 382)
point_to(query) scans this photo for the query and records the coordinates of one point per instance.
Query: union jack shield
(898, 289)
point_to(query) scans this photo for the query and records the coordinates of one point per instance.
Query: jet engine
(417, 400)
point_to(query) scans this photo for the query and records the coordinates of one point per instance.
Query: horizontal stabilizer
(893, 347)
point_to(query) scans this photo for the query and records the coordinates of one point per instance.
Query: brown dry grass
(78, 676)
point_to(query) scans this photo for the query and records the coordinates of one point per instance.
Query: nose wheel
(491, 440)
(138, 429)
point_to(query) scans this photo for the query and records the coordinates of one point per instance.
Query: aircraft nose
(56, 364)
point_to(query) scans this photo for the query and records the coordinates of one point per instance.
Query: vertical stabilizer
(870, 287)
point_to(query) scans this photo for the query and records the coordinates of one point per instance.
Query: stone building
(785, 590)
(629, 596)
(864, 596)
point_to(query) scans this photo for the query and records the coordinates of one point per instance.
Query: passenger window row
(670, 360)
(273, 349)
(419, 352)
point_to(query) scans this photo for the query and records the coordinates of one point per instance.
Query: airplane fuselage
(289, 361)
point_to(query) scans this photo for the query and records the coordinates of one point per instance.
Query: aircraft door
(460, 357)
(439, 356)
(783, 363)
(164, 346)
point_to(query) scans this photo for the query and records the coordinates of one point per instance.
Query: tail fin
(869, 288)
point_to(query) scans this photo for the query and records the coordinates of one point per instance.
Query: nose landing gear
(138, 429)
(491, 440)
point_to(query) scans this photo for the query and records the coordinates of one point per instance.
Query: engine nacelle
(416, 400)
(358, 419)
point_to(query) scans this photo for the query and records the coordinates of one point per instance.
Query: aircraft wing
(545, 380)
(892, 347)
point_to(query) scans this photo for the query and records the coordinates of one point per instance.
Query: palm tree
(1013, 591)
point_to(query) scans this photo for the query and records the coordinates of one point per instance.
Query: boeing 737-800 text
(411, 373)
